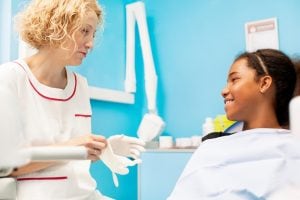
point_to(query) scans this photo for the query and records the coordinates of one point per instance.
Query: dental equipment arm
(130, 80)
(149, 70)
(57, 153)
(151, 125)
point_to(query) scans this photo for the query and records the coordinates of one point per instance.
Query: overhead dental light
(152, 124)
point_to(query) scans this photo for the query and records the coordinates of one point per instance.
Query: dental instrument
(152, 124)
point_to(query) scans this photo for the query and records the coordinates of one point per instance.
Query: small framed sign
(261, 34)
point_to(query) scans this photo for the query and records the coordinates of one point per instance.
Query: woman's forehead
(90, 19)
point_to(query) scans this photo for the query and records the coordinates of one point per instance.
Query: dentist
(54, 102)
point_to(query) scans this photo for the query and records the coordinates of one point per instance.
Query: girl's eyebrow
(232, 73)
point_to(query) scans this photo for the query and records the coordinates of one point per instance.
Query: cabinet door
(158, 173)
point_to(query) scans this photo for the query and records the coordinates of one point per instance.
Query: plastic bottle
(208, 126)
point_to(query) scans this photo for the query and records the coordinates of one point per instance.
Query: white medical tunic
(50, 116)
(248, 165)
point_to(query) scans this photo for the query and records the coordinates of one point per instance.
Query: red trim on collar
(42, 178)
(83, 115)
(56, 99)
(51, 98)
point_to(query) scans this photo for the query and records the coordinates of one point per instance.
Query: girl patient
(260, 159)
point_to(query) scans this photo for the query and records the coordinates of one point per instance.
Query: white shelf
(104, 94)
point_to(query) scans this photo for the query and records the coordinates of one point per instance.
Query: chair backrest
(295, 115)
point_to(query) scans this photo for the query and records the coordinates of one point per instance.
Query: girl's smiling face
(242, 91)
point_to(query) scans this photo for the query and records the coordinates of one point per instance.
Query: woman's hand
(94, 144)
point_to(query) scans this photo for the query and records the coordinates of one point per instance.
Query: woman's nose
(90, 44)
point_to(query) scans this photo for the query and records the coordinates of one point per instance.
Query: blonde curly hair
(51, 22)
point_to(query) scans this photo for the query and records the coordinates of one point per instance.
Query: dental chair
(291, 192)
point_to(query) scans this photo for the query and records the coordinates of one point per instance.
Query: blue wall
(194, 43)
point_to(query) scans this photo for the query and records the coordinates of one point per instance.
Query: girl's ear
(265, 83)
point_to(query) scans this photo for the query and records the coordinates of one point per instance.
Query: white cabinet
(159, 171)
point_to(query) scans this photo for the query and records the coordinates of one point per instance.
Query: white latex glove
(117, 164)
(123, 145)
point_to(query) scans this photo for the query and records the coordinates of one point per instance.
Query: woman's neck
(48, 69)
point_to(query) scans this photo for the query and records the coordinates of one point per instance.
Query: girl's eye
(234, 80)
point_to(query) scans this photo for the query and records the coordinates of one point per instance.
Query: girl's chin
(230, 116)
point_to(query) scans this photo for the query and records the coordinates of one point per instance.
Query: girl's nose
(225, 91)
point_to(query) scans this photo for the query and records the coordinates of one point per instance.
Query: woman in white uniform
(54, 102)
(258, 161)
